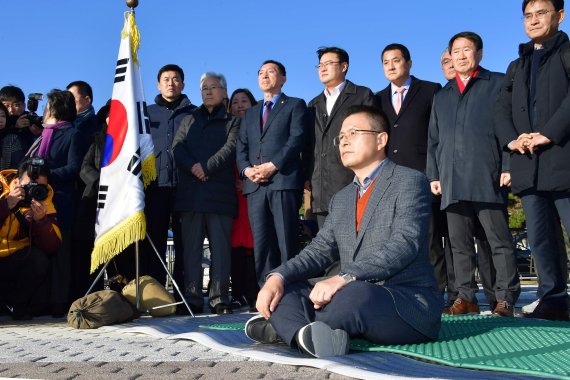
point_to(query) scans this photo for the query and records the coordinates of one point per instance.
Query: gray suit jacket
(391, 248)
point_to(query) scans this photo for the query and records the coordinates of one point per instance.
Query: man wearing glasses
(532, 121)
(324, 173)
(269, 148)
(204, 150)
(465, 166)
(378, 228)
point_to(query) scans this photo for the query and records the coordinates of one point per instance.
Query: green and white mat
(515, 345)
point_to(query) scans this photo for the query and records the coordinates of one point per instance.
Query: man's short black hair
(61, 105)
(404, 50)
(378, 119)
(558, 4)
(279, 65)
(340, 53)
(12, 93)
(25, 165)
(83, 88)
(170, 67)
(5, 109)
(471, 36)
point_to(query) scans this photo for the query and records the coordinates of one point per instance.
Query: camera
(33, 103)
(33, 189)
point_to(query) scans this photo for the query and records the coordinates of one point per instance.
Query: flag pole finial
(132, 4)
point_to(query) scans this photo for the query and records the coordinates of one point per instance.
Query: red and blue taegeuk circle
(116, 132)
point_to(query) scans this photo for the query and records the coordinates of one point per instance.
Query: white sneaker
(319, 340)
(527, 309)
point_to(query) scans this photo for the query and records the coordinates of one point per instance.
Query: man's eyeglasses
(326, 64)
(350, 135)
(208, 89)
(539, 14)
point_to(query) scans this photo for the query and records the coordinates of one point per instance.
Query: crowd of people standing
(234, 169)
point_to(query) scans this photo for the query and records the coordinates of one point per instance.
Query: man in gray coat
(466, 168)
(378, 228)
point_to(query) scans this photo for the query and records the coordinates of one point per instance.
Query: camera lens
(38, 192)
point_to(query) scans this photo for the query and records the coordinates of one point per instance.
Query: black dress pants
(461, 219)
(361, 309)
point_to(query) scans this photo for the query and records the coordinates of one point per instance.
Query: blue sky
(47, 44)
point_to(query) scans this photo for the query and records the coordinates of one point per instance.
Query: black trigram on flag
(142, 118)
(102, 197)
(135, 164)
(121, 70)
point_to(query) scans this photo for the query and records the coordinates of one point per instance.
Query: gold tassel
(116, 240)
(130, 30)
(148, 170)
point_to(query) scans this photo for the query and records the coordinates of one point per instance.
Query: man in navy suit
(269, 159)
(378, 228)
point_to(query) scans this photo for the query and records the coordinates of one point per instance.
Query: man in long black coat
(465, 167)
(533, 123)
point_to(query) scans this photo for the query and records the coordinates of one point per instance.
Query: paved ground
(46, 348)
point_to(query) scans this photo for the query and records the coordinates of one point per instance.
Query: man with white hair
(204, 150)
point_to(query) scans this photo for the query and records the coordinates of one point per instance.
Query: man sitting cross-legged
(378, 229)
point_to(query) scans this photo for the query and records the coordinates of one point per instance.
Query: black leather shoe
(550, 310)
(221, 309)
(183, 310)
(238, 303)
(260, 330)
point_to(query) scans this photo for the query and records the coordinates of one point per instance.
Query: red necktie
(268, 105)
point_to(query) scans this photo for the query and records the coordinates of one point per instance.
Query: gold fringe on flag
(116, 240)
(130, 30)
(148, 170)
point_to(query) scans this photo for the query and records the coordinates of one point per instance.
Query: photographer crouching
(29, 233)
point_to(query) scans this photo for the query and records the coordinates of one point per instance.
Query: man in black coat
(407, 101)
(204, 149)
(466, 168)
(532, 121)
(324, 172)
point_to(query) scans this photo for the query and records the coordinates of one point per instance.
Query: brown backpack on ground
(102, 308)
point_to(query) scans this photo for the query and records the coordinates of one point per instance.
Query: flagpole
(137, 275)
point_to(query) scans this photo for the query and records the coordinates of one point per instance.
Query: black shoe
(221, 309)
(319, 340)
(238, 303)
(550, 310)
(183, 310)
(19, 314)
(260, 330)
